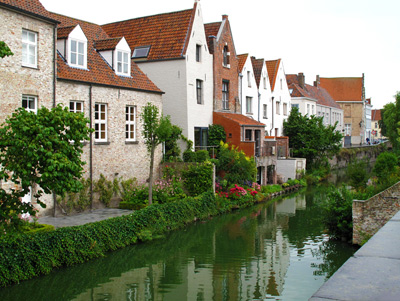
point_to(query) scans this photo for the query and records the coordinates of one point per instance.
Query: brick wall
(224, 73)
(370, 215)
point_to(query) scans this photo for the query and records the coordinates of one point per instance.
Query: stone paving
(83, 218)
(372, 273)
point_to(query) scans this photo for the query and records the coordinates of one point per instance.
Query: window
(295, 105)
(249, 107)
(265, 111)
(247, 135)
(281, 85)
(123, 62)
(249, 79)
(78, 53)
(265, 82)
(100, 122)
(376, 125)
(347, 129)
(308, 109)
(285, 109)
(29, 102)
(76, 106)
(225, 95)
(29, 48)
(312, 110)
(200, 138)
(199, 91)
(225, 54)
(141, 51)
(278, 109)
(198, 53)
(130, 123)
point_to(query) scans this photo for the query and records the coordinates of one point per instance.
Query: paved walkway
(82, 218)
(372, 273)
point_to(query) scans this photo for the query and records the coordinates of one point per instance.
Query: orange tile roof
(257, 68)
(272, 67)
(63, 32)
(242, 60)
(318, 93)
(344, 88)
(168, 34)
(98, 71)
(33, 7)
(376, 115)
(241, 119)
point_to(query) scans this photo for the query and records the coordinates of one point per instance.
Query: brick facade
(229, 72)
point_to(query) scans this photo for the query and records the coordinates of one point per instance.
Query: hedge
(26, 256)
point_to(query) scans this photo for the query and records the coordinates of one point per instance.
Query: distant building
(376, 116)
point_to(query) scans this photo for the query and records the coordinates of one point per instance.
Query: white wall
(249, 89)
(265, 99)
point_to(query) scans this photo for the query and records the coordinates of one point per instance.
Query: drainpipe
(91, 148)
(240, 92)
(259, 104)
(54, 96)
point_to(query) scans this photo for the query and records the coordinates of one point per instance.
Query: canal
(276, 250)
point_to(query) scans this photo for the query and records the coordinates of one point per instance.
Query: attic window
(225, 54)
(141, 51)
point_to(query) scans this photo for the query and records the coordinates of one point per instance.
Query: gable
(272, 68)
(344, 88)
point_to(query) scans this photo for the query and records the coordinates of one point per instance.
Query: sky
(329, 38)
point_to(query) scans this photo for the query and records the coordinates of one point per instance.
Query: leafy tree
(311, 139)
(5, 50)
(156, 129)
(358, 175)
(43, 149)
(216, 134)
(391, 119)
(172, 150)
(385, 166)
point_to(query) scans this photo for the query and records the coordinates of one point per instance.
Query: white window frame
(278, 111)
(29, 48)
(285, 109)
(198, 53)
(347, 129)
(76, 106)
(199, 91)
(225, 95)
(100, 122)
(78, 54)
(123, 63)
(249, 79)
(30, 99)
(249, 105)
(265, 82)
(265, 111)
(130, 123)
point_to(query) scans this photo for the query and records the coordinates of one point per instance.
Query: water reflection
(275, 250)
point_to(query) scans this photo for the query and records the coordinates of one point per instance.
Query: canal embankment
(372, 273)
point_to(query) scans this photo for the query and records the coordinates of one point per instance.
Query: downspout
(240, 92)
(259, 104)
(91, 148)
(54, 96)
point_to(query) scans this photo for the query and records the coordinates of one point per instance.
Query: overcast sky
(332, 38)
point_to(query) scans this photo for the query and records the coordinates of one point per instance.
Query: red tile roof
(242, 60)
(272, 67)
(168, 34)
(211, 29)
(257, 69)
(343, 88)
(63, 32)
(33, 7)
(241, 119)
(318, 93)
(106, 44)
(98, 71)
(376, 115)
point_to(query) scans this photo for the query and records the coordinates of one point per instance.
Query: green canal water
(275, 250)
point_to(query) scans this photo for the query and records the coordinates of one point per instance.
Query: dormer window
(77, 53)
(123, 63)
(141, 52)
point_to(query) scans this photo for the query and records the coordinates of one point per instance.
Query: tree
(155, 131)
(385, 167)
(43, 149)
(391, 119)
(311, 139)
(5, 50)
(172, 150)
(216, 134)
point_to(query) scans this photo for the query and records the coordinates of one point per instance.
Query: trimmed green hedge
(26, 256)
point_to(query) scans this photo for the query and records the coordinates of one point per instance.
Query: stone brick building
(58, 59)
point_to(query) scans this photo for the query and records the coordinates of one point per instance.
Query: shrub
(198, 178)
(202, 156)
(337, 213)
(268, 189)
(385, 167)
(357, 172)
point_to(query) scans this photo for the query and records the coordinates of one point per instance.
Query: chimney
(316, 82)
(301, 79)
(224, 17)
(211, 43)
